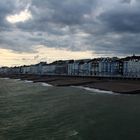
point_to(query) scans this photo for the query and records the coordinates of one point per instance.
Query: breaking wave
(97, 90)
(27, 81)
(5, 78)
(46, 85)
(17, 79)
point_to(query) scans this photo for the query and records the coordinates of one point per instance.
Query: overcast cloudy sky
(46, 30)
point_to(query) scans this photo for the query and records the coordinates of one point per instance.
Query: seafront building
(73, 68)
(61, 67)
(25, 70)
(4, 70)
(101, 67)
(84, 68)
(49, 69)
(94, 66)
(78, 67)
(131, 67)
(109, 66)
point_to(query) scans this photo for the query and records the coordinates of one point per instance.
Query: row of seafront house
(108, 67)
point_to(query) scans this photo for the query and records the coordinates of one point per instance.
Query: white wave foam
(46, 85)
(17, 79)
(73, 133)
(27, 81)
(97, 91)
(5, 78)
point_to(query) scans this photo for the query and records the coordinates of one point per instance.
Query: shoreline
(112, 85)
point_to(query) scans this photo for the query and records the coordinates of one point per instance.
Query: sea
(39, 111)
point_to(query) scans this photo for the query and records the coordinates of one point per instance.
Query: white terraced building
(79, 67)
(109, 67)
(73, 68)
(25, 69)
(131, 66)
(4, 70)
(48, 69)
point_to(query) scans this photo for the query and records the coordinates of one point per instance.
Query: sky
(47, 30)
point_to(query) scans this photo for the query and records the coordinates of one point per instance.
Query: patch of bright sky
(20, 17)
(10, 58)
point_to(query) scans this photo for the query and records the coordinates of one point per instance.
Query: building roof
(128, 58)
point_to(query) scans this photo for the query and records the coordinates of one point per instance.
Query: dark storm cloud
(6, 7)
(102, 26)
(53, 15)
(125, 1)
(122, 21)
(120, 44)
(16, 41)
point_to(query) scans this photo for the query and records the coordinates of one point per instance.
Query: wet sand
(124, 86)
(118, 86)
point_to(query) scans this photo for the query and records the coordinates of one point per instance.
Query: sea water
(36, 111)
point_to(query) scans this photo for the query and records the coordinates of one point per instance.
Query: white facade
(84, 69)
(48, 70)
(108, 67)
(73, 68)
(131, 68)
(4, 70)
(70, 69)
(79, 67)
(15, 70)
(94, 67)
(25, 70)
(34, 69)
(44, 70)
